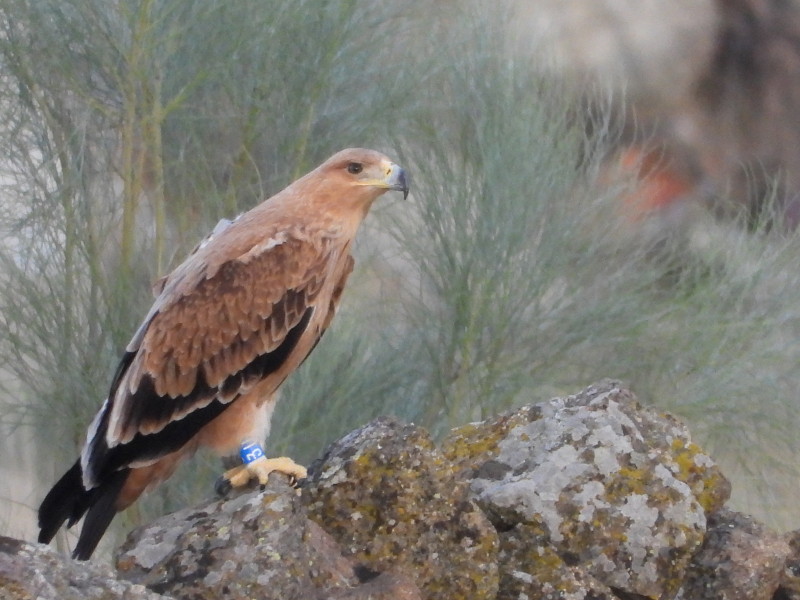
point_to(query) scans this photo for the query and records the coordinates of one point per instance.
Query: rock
(532, 568)
(257, 544)
(790, 585)
(741, 559)
(587, 497)
(595, 480)
(389, 497)
(34, 571)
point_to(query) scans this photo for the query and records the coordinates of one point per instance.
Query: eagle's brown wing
(205, 343)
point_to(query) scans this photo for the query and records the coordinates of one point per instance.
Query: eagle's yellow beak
(394, 178)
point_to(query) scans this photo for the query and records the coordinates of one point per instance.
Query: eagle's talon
(297, 482)
(222, 486)
(260, 469)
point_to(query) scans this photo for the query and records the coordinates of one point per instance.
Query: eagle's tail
(69, 501)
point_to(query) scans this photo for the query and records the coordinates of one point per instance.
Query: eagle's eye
(355, 168)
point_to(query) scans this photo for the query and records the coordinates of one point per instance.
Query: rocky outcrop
(592, 487)
(390, 498)
(256, 545)
(587, 496)
(740, 560)
(37, 572)
(790, 582)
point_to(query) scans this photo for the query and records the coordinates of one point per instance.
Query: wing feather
(201, 345)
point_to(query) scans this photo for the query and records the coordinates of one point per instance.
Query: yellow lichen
(627, 481)
(708, 485)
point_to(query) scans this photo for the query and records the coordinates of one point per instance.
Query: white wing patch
(262, 247)
(88, 476)
(218, 228)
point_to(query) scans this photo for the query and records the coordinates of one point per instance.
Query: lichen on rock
(388, 496)
(615, 487)
(255, 544)
(34, 571)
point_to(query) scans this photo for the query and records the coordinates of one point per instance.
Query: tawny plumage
(227, 327)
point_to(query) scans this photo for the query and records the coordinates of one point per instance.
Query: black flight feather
(68, 500)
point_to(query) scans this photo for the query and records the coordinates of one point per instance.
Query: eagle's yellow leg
(258, 466)
(261, 468)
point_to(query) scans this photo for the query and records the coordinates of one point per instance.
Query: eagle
(227, 327)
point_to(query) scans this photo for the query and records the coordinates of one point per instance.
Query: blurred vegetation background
(525, 264)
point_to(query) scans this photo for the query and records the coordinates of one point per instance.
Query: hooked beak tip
(400, 181)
